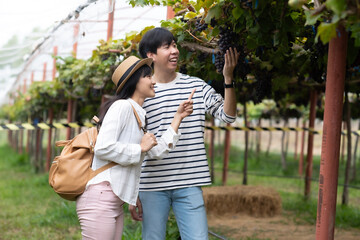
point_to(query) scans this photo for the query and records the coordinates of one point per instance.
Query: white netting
(86, 25)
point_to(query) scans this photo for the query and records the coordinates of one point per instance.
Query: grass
(31, 210)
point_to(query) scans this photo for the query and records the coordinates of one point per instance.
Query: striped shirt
(186, 165)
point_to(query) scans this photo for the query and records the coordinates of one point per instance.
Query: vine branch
(194, 46)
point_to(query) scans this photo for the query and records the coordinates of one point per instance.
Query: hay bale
(256, 201)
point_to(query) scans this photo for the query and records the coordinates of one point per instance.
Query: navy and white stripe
(186, 165)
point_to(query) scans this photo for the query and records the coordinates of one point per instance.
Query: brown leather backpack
(71, 170)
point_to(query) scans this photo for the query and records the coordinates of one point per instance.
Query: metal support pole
(170, 13)
(211, 151)
(226, 155)
(111, 20)
(330, 148)
(44, 73)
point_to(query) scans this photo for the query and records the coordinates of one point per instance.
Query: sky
(20, 17)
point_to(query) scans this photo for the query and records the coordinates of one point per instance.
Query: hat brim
(147, 61)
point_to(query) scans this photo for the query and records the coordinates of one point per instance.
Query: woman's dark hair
(153, 39)
(127, 91)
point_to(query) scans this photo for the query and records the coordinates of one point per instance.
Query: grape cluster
(227, 39)
(219, 62)
(200, 26)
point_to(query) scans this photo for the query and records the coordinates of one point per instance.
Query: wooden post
(330, 148)
(296, 139)
(51, 117)
(49, 145)
(301, 159)
(309, 157)
(29, 120)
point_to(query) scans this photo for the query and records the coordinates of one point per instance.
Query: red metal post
(309, 157)
(170, 13)
(54, 63)
(226, 155)
(330, 148)
(76, 34)
(32, 77)
(111, 20)
(211, 151)
(44, 73)
(24, 87)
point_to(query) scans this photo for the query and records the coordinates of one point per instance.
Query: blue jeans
(188, 207)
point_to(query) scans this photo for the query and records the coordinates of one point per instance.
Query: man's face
(166, 57)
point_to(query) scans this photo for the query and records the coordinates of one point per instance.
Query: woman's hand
(148, 141)
(136, 211)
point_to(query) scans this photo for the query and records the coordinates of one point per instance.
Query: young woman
(121, 140)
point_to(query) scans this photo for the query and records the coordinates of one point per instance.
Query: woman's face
(145, 87)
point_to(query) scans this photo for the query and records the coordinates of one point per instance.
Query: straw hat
(126, 69)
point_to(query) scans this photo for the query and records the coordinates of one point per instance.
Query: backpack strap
(103, 168)
(138, 120)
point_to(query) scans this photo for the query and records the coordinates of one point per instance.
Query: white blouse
(119, 141)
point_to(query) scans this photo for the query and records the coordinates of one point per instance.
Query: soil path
(242, 226)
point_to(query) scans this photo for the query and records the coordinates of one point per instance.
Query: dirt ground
(280, 227)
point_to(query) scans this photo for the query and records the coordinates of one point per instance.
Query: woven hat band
(126, 73)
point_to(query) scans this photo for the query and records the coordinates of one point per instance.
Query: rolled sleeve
(166, 143)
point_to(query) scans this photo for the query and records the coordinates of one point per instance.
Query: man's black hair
(153, 39)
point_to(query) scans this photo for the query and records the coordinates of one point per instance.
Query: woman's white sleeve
(108, 147)
(166, 143)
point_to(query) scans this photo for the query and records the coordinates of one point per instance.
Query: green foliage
(278, 42)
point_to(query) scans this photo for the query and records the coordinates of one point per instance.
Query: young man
(176, 180)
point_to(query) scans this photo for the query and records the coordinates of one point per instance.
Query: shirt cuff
(171, 137)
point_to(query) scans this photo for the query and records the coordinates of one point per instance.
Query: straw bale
(256, 201)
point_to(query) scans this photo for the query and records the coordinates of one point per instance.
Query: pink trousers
(100, 213)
